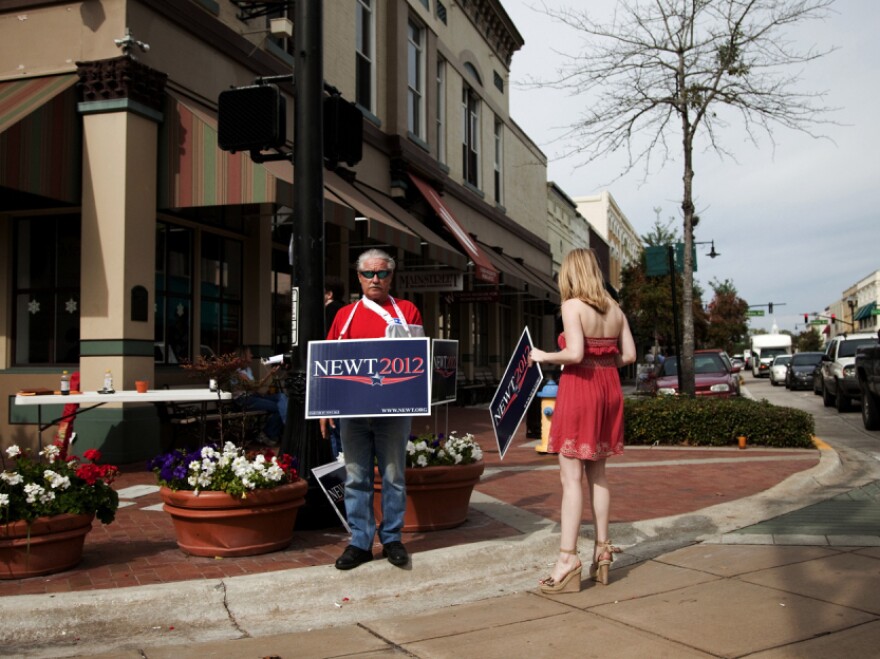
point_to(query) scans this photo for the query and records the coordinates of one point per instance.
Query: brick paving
(646, 483)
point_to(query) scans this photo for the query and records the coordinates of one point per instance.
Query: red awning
(483, 268)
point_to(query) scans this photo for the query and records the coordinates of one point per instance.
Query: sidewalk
(137, 595)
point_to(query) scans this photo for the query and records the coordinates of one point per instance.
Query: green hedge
(715, 422)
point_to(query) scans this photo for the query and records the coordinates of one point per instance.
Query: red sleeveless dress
(587, 422)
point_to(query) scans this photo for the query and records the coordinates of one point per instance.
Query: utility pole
(302, 438)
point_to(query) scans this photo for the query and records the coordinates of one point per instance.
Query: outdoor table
(95, 399)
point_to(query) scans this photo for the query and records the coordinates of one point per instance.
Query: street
(843, 431)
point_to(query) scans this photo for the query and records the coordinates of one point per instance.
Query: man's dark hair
(335, 286)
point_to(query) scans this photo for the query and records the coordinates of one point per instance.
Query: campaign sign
(368, 377)
(331, 478)
(444, 359)
(518, 386)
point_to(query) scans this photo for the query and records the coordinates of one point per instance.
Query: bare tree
(667, 75)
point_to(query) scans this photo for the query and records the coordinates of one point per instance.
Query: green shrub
(715, 422)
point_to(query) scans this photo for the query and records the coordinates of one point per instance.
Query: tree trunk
(686, 358)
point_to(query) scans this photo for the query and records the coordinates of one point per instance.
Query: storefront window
(221, 293)
(280, 302)
(47, 290)
(174, 294)
(481, 334)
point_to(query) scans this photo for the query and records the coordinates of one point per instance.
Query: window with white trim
(365, 39)
(415, 79)
(470, 147)
(499, 160)
(441, 110)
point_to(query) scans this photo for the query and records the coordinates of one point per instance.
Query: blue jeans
(365, 442)
(275, 404)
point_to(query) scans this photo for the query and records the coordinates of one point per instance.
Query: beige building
(609, 221)
(856, 310)
(131, 242)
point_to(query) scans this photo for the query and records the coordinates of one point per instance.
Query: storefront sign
(368, 377)
(518, 386)
(476, 296)
(429, 281)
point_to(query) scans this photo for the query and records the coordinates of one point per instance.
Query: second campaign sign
(369, 377)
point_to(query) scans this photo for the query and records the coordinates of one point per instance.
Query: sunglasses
(369, 274)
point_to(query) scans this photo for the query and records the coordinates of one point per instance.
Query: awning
(381, 226)
(866, 311)
(483, 268)
(39, 125)
(18, 98)
(194, 171)
(522, 277)
(433, 246)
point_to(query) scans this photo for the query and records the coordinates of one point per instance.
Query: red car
(714, 376)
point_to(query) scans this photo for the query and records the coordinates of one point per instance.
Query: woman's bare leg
(571, 473)
(600, 498)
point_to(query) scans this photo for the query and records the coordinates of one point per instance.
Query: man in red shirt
(374, 440)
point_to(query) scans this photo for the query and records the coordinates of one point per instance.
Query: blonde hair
(581, 279)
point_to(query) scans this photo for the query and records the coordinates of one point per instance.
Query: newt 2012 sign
(369, 377)
(518, 386)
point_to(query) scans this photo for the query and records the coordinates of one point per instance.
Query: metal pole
(670, 251)
(302, 438)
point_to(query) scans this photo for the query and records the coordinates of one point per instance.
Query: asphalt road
(846, 426)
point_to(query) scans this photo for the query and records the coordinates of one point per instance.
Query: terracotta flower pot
(54, 544)
(218, 524)
(436, 497)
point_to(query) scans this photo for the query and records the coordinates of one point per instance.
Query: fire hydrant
(548, 404)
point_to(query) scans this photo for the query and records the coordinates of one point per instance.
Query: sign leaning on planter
(518, 386)
(369, 377)
(444, 378)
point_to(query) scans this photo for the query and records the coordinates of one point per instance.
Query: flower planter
(218, 524)
(436, 497)
(54, 544)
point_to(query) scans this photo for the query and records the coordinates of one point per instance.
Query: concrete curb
(319, 597)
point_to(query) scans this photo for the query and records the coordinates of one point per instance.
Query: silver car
(778, 368)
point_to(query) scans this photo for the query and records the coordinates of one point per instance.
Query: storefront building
(131, 242)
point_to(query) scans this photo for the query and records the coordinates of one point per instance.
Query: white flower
(51, 452)
(33, 492)
(4, 500)
(13, 451)
(56, 481)
(11, 477)
(422, 461)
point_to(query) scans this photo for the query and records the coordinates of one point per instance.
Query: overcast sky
(794, 226)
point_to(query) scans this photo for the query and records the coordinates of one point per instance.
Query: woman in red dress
(587, 425)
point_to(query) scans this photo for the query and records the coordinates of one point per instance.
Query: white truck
(764, 348)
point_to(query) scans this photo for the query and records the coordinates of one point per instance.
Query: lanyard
(375, 308)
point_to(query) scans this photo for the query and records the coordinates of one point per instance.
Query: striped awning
(40, 137)
(484, 271)
(381, 226)
(194, 171)
(866, 311)
(433, 246)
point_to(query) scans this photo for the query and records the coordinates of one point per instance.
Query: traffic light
(343, 132)
(770, 308)
(806, 319)
(251, 119)
(833, 319)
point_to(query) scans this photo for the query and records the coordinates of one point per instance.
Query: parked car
(778, 368)
(738, 361)
(868, 373)
(801, 369)
(713, 377)
(838, 382)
